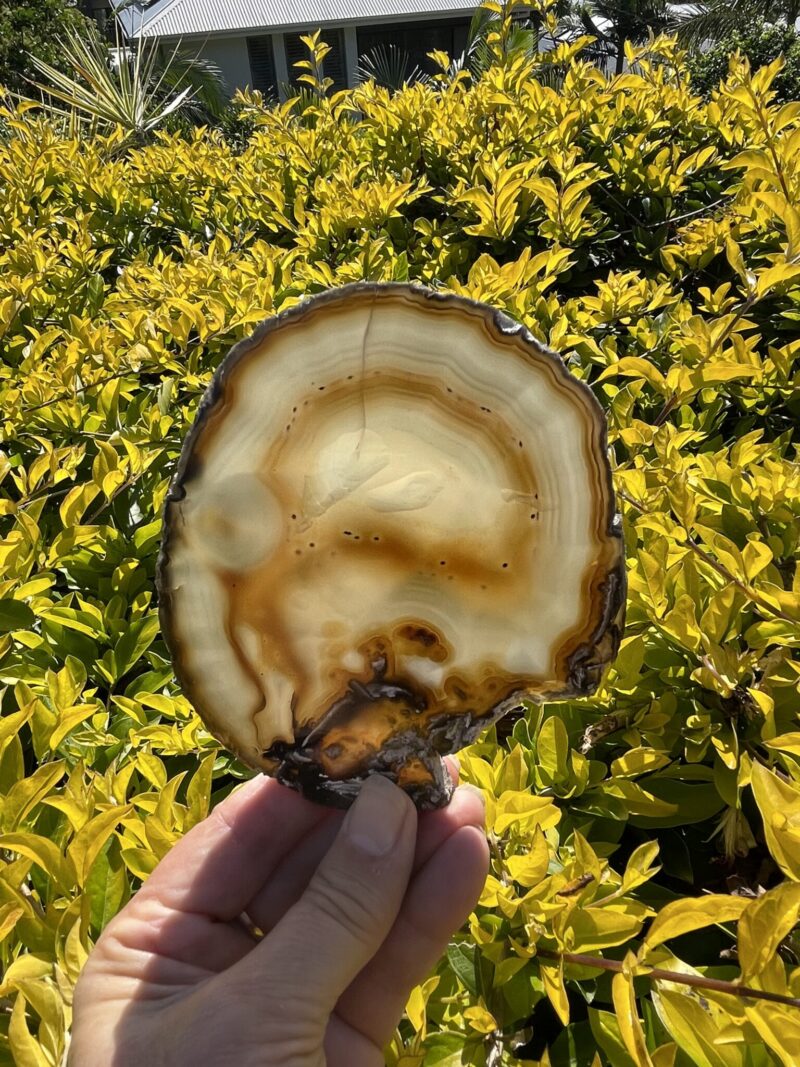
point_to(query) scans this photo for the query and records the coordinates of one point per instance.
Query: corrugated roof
(184, 18)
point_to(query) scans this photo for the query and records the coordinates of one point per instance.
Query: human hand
(355, 909)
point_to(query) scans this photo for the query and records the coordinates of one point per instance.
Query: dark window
(417, 39)
(262, 64)
(333, 66)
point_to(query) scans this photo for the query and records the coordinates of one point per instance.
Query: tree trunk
(620, 57)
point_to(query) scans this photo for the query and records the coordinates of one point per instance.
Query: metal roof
(185, 18)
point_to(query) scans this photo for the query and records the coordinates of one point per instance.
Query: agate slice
(392, 522)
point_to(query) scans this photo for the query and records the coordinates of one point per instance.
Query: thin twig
(657, 974)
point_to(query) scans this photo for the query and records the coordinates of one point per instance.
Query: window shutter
(262, 64)
(295, 51)
(335, 66)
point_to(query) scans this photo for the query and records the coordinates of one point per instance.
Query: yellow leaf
(480, 1019)
(553, 981)
(415, 1008)
(24, 795)
(682, 916)
(87, 844)
(9, 913)
(665, 1056)
(595, 928)
(152, 768)
(24, 967)
(638, 761)
(198, 794)
(636, 367)
(784, 743)
(513, 772)
(75, 952)
(25, 1049)
(735, 259)
(69, 719)
(764, 925)
(525, 810)
(695, 1027)
(640, 866)
(76, 502)
(630, 1028)
(140, 862)
(779, 804)
(48, 1004)
(10, 725)
(779, 1028)
(531, 867)
(43, 852)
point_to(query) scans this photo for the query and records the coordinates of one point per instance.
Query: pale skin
(354, 911)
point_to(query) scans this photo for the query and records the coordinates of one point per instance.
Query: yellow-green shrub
(652, 239)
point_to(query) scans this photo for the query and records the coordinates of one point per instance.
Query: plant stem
(699, 981)
(748, 590)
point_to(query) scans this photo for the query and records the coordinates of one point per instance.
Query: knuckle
(345, 900)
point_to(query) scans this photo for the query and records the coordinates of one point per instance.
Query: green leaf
(134, 643)
(606, 1031)
(107, 886)
(15, 615)
(461, 958)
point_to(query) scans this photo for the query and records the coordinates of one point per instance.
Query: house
(257, 42)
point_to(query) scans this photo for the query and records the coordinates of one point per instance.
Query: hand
(355, 909)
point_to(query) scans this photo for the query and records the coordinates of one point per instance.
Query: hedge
(653, 239)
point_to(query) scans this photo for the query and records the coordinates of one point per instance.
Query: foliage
(33, 27)
(760, 44)
(713, 20)
(615, 22)
(654, 240)
(389, 67)
(136, 94)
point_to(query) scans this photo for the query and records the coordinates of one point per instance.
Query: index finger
(218, 867)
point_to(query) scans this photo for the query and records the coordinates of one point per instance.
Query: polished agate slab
(392, 522)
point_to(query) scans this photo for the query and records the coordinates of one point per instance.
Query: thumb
(347, 910)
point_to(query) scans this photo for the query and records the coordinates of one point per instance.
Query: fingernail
(374, 822)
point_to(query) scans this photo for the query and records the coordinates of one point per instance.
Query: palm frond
(390, 67)
(715, 19)
(203, 78)
(133, 89)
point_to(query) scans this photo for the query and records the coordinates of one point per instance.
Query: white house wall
(230, 55)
